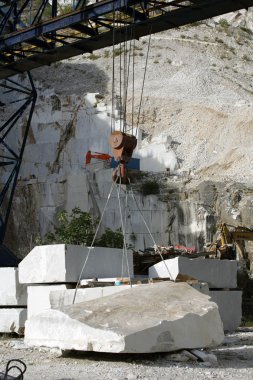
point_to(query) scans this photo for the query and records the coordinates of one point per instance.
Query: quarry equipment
(97, 156)
(229, 239)
(122, 146)
(22, 98)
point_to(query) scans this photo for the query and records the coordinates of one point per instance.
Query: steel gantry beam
(52, 38)
(22, 99)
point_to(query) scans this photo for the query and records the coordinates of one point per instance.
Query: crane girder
(91, 27)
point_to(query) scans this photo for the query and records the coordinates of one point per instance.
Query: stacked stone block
(13, 302)
(53, 268)
(221, 277)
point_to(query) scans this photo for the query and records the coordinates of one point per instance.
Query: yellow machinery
(229, 239)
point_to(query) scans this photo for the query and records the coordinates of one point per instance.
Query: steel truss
(11, 156)
(43, 37)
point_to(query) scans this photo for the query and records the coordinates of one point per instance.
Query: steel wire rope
(124, 235)
(123, 253)
(144, 77)
(93, 241)
(125, 73)
(113, 73)
(126, 206)
(150, 233)
(133, 62)
(128, 72)
(125, 221)
(120, 84)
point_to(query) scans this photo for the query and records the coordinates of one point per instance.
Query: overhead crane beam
(146, 16)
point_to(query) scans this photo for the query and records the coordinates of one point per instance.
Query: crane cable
(124, 79)
(150, 233)
(93, 240)
(144, 77)
(96, 233)
(133, 63)
(123, 115)
(113, 74)
(123, 227)
(127, 77)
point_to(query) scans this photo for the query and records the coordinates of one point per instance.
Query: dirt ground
(234, 361)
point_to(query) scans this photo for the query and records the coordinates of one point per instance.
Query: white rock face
(217, 273)
(151, 318)
(12, 293)
(157, 155)
(154, 210)
(230, 307)
(12, 320)
(63, 263)
(39, 297)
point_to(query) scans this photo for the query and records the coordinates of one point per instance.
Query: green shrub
(246, 30)
(79, 228)
(93, 57)
(112, 239)
(67, 8)
(150, 187)
(223, 23)
(117, 52)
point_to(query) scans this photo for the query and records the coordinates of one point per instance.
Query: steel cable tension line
(95, 236)
(123, 144)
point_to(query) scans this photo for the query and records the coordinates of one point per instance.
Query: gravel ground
(235, 361)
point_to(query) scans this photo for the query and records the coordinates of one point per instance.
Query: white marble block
(59, 298)
(217, 273)
(12, 320)
(39, 297)
(160, 317)
(230, 307)
(12, 293)
(63, 263)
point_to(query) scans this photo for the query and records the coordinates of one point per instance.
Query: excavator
(230, 243)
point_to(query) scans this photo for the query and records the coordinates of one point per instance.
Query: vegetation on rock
(79, 228)
(150, 187)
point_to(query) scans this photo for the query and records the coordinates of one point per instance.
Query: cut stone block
(59, 298)
(12, 293)
(63, 263)
(12, 320)
(217, 273)
(202, 287)
(159, 317)
(230, 307)
(39, 297)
